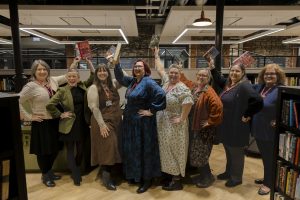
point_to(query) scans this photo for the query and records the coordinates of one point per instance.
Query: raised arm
(90, 80)
(121, 78)
(218, 78)
(158, 65)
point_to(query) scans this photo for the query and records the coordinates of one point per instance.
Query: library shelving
(286, 162)
(13, 182)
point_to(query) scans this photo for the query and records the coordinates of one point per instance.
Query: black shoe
(76, 176)
(223, 176)
(47, 181)
(53, 176)
(232, 183)
(107, 182)
(259, 181)
(206, 182)
(144, 186)
(110, 186)
(173, 186)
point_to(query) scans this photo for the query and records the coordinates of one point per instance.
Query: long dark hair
(98, 82)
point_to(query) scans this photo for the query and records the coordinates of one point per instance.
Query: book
(211, 54)
(246, 59)
(113, 53)
(183, 56)
(5, 179)
(84, 49)
(154, 42)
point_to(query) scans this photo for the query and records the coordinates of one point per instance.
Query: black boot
(144, 186)
(174, 185)
(206, 181)
(76, 176)
(107, 182)
(47, 180)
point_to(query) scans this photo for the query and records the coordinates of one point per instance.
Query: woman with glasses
(240, 103)
(140, 152)
(205, 115)
(263, 122)
(172, 124)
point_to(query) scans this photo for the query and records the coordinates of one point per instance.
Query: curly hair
(279, 73)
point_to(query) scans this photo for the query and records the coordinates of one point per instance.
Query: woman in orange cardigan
(206, 114)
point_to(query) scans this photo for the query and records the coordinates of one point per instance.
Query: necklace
(107, 94)
(169, 88)
(265, 91)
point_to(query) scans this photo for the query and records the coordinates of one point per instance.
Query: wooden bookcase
(11, 145)
(286, 163)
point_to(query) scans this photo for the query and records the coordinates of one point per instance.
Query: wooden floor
(91, 189)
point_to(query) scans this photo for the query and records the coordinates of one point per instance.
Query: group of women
(161, 130)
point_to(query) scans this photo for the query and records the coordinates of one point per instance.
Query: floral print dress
(173, 138)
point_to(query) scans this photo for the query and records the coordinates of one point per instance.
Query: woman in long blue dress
(140, 151)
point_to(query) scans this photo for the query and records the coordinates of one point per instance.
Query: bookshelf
(286, 163)
(13, 182)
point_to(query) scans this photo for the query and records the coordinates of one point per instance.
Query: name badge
(108, 103)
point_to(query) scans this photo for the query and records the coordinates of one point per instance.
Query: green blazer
(64, 97)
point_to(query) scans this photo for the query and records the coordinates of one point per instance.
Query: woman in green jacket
(72, 125)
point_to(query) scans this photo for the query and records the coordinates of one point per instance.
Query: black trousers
(266, 150)
(235, 162)
(45, 162)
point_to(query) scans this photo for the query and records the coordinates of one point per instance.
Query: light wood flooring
(91, 189)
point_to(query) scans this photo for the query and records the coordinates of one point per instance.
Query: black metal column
(20, 78)
(219, 32)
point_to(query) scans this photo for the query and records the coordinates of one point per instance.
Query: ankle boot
(206, 181)
(174, 185)
(144, 186)
(107, 182)
(47, 180)
(76, 176)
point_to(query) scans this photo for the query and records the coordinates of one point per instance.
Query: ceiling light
(31, 30)
(269, 30)
(295, 40)
(4, 41)
(202, 21)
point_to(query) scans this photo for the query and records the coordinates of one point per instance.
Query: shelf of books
(286, 165)
(12, 170)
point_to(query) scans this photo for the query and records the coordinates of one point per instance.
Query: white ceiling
(178, 18)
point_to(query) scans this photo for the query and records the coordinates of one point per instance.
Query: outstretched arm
(158, 65)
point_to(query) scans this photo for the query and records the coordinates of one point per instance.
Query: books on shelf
(211, 54)
(290, 113)
(246, 59)
(4, 169)
(84, 49)
(112, 54)
(154, 42)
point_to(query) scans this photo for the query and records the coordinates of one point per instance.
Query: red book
(84, 49)
(246, 59)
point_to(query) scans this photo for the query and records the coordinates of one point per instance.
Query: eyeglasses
(270, 74)
(202, 75)
(138, 66)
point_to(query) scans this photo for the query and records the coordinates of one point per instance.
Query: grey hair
(35, 65)
(209, 76)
